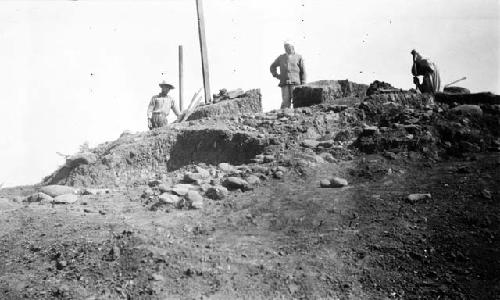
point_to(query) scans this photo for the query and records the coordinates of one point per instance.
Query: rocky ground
(387, 196)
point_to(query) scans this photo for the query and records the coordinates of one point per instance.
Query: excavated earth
(234, 206)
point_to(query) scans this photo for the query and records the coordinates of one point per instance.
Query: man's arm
(274, 67)
(174, 108)
(151, 106)
(302, 68)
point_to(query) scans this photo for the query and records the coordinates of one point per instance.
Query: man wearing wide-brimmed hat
(160, 106)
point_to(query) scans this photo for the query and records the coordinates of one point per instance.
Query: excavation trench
(134, 159)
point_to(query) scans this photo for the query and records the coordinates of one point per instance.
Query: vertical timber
(204, 54)
(181, 78)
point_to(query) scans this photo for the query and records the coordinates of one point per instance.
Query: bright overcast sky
(76, 71)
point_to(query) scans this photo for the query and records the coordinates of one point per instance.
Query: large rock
(194, 199)
(468, 110)
(476, 98)
(326, 90)
(57, 190)
(39, 197)
(66, 199)
(235, 183)
(250, 103)
(216, 193)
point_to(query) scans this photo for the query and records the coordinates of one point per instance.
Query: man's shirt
(292, 69)
(162, 104)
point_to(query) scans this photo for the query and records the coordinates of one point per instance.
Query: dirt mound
(136, 158)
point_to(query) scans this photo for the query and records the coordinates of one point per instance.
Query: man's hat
(413, 52)
(163, 83)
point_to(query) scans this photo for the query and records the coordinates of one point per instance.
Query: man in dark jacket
(292, 73)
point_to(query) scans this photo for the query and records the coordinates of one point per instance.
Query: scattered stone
(253, 180)
(203, 173)
(157, 277)
(182, 189)
(234, 183)
(147, 193)
(370, 130)
(39, 197)
(325, 183)
(310, 143)
(66, 199)
(225, 167)
(89, 211)
(93, 192)
(168, 198)
(414, 198)
(194, 199)
(57, 190)
(468, 110)
(328, 157)
(154, 182)
(278, 174)
(216, 193)
(337, 182)
(268, 158)
(190, 177)
(163, 188)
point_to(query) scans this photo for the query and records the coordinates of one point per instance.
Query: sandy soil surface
(286, 239)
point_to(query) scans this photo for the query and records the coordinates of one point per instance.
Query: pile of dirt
(388, 196)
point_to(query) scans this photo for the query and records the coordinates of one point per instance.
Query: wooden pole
(204, 54)
(181, 78)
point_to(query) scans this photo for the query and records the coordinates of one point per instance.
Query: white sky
(76, 71)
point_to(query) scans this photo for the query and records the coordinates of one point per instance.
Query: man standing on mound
(160, 106)
(292, 73)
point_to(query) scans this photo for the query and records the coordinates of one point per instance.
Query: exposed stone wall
(326, 90)
(250, 103)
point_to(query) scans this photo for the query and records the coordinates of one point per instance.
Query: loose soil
(286, 239)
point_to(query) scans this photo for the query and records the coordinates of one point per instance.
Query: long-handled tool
(185, 113)
(458, 80)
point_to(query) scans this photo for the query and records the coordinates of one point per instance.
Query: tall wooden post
(204, 54)
(181, 78)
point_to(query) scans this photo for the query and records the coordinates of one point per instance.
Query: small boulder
(225, 167)
(337, 182)
(194, 199)
(235, 183)
(203, 173)
(66, 199)
(468, 110)
(182, 189)
(163, 188)
(216, 192)
(414, 198)
(168, 198)
(39, 197)
(57, 190)
(309, 143)
(370, 130)
(190, 177)
(325, 183)
(253, 180)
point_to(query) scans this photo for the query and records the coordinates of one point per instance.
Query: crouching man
(160, 106)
